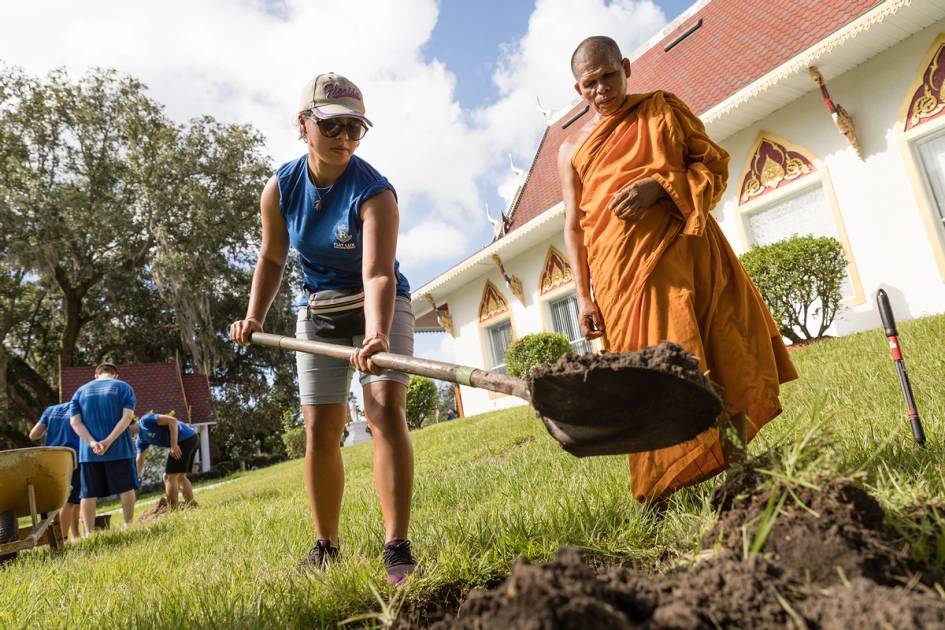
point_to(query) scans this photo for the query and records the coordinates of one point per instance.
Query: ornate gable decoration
(492, 303)
(556, 271)
(773, 165)
(927, 99)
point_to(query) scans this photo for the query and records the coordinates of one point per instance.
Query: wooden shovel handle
(462, 374)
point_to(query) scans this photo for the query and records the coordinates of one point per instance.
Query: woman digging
(341, 216)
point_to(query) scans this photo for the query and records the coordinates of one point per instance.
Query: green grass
(489, 489)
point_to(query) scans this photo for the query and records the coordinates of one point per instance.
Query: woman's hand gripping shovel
(605, 404)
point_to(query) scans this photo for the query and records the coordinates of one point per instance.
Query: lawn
(489, 489)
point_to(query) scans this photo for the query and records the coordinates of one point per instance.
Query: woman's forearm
(266, 280)
(379, 293)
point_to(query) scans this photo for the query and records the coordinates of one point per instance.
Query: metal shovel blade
(623, 410)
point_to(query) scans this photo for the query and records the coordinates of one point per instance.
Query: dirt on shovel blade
(612, 403)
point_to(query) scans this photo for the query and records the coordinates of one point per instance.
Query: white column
(204, 447)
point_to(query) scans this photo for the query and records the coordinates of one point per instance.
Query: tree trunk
(28, 392)
(72, 307)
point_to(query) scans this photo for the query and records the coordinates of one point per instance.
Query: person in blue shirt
(182, 442)
(101, 413)
(341, 216)
(55, 427)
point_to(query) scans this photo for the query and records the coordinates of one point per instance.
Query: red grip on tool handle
(894, 348)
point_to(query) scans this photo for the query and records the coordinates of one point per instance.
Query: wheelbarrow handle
(440, 370)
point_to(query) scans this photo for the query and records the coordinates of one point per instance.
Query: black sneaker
(322, 553)
(398, 561)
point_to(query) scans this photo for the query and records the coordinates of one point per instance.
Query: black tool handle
(911, 408)
(886, 314)
(895, 349)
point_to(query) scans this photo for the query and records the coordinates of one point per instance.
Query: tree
(800, 278)
(421, 401)
(128, 237)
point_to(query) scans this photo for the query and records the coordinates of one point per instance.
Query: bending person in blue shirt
(181, 440)
(55, 427)
(341, 216)
(101, 413)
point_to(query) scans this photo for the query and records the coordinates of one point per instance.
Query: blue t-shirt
(329, 239)
(101, 403)
(59, 431)
(150, 432)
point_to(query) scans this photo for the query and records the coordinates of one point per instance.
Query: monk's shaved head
(593, 48)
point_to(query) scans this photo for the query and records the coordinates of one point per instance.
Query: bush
(421, 401)
(533, 350)
(294, 440)
(800, 280)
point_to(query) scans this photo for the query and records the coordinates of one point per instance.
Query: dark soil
(667, 357)
(834, 569)
(615, 403)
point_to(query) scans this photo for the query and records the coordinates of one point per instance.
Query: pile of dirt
(826, 564)
(822, 535)
(666, 357)
(156, 511)
(161, 508)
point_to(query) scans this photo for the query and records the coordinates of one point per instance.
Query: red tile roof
(197, 390)
(158, 387)
(738, 42)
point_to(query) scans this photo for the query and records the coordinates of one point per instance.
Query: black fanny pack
(337, 313)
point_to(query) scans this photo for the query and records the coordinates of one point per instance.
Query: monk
(639, 180)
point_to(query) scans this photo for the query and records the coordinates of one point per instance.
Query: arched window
(785, 190)
(922, 139)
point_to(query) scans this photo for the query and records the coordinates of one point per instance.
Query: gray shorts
(326, 381)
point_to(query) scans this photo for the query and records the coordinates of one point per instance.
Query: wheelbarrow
(608, 404)
(34, 482)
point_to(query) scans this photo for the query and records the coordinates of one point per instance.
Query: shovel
(596, 405)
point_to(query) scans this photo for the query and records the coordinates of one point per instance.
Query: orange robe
(670, 274)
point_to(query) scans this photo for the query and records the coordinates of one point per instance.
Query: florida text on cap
(331, 95)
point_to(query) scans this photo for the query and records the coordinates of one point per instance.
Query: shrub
(421, 401)
(800, 280)
(531, 351)
(294, 440)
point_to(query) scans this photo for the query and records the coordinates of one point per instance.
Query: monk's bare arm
(590, 320)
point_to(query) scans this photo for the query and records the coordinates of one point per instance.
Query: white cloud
(538, 66)
(241, 63)
(432, 240)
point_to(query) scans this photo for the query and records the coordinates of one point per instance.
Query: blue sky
(468, 34)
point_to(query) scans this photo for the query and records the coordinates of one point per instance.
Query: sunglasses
(332, 128)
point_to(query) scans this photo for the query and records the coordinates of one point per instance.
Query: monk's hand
(591, 321)
(628, 202)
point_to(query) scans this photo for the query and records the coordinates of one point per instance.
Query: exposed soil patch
(613, 403)
(819, 536)
(161, 508)
(803, 343)
(157, 510)
(793, 583)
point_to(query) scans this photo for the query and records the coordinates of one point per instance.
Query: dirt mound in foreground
(794, 583)
(821, 536)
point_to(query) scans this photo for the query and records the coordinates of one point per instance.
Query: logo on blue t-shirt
(343, 237)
